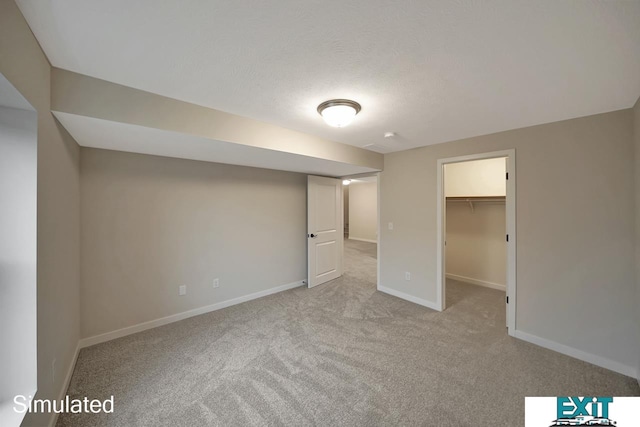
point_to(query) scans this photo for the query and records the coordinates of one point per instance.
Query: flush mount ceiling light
(346, 181)
(339, 112)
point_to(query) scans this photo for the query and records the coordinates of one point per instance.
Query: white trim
(441, 218)
(478, 282)
(603, 362)
(65, 384)
(108, 336)
(362, 240)
(410, 298)
(379, 189)
(510, 229)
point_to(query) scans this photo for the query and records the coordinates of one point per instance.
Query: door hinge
(507, 299)
(507, 237)
(507, 175)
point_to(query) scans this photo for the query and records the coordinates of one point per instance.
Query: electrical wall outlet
(390, 226)
(182, 290)
(407, 275)
(216, 283)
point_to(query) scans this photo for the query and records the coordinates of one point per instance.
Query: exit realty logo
(581, 411)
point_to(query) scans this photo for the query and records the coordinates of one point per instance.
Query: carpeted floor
(338, 354)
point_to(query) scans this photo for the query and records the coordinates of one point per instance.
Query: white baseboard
(363, 240)
(108, 336)
(603, 362)
(411, 298)
(86, 342)
(65, 384)
(473, 281)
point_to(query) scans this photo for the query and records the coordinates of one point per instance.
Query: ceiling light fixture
(346, 181)
(339, 112)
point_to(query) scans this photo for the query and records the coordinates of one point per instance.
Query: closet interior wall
(476, 222)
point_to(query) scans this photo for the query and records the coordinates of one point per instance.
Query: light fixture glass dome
(346, 181)
(338, 112)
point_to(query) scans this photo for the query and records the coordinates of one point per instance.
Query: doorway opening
(476, 234)
(361, 227)
(334, 251)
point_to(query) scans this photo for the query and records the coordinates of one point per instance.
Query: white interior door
(325, 234)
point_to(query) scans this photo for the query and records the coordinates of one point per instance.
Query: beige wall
(345, 192)
(25, 66)
(150, 224)
(476, 178)
(476, 249)
(575, 220)
(636, 137)
(363, 211)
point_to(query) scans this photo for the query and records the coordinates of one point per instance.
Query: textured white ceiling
(432, 71)
(98, 133)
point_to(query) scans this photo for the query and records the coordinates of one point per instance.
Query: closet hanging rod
(471, 200)
(477, 199)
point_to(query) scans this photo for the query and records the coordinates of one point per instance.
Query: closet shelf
(477, 199)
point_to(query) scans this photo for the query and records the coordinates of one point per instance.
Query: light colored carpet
(338, 354)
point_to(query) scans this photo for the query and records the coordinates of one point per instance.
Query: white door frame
(378, 236)
(510, 223)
